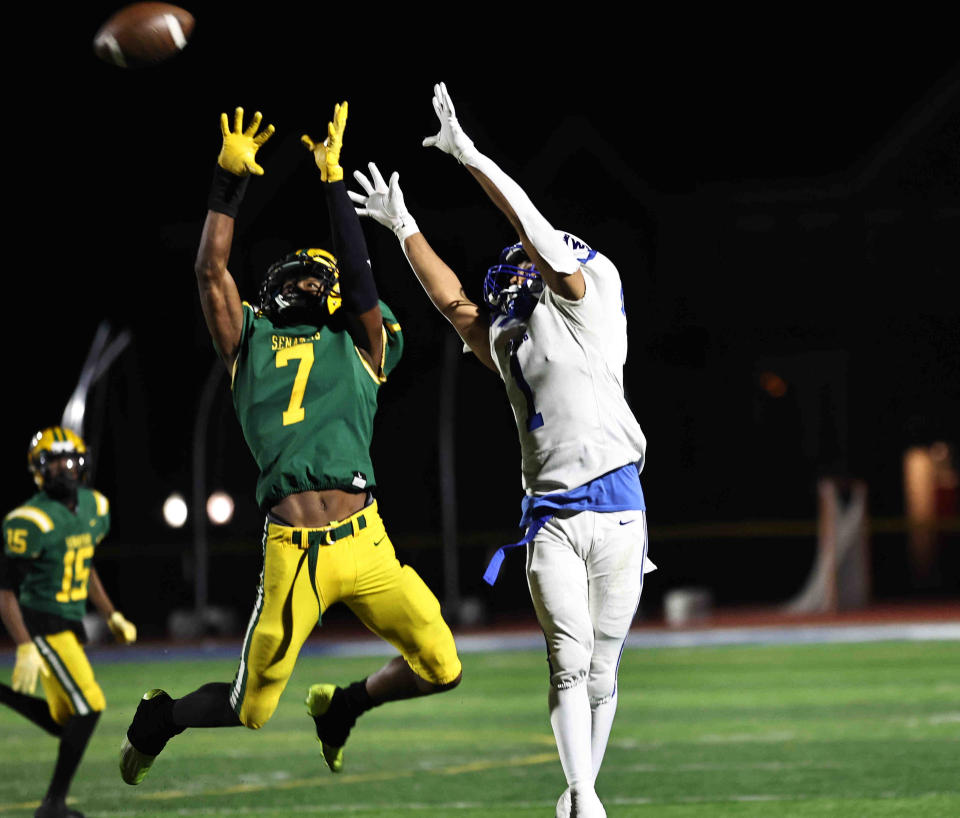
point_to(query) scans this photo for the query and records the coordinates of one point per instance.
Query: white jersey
(563, 370)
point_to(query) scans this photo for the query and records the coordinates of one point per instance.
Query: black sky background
(108, 173)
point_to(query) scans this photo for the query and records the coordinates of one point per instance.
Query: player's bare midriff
(314, 509)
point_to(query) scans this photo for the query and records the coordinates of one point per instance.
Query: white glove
(451, 138)
(383, 202)
(28, 668)
(123, 630)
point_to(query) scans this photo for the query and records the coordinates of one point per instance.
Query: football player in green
(46, 577)
(306, 366)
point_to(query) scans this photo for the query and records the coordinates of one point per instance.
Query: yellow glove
(123, 631)
(327, 153)
(28, 668)
(240, 146)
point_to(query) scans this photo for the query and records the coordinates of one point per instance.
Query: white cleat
(582, 804)
(563, 805)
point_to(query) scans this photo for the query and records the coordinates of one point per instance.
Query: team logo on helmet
(511, 289)
(55, 443)
(293, 305)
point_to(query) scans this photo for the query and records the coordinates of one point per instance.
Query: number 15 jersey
(563, 370)
(54, 547)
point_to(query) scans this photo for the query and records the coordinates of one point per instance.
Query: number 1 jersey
(563, 370)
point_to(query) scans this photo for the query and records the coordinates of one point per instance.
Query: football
(143, 34)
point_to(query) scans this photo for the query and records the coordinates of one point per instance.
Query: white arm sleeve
(547, 241)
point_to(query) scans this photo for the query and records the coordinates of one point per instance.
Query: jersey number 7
(294, 412)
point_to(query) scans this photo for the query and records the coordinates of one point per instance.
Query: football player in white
(554, 328)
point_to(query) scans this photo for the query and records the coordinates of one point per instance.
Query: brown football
(143, 34)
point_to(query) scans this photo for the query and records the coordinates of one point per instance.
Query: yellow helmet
(52, 442)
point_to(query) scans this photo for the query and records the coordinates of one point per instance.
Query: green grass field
(812, 730)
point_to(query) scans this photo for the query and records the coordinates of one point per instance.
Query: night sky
(110, 170)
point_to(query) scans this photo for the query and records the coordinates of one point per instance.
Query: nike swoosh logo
(627, 522)
(380, 541)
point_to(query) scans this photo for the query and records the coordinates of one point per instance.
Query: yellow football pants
(70, 686)
(305, 571)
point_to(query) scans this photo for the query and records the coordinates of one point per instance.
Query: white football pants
(585, 573)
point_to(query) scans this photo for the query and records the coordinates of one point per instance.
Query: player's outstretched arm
(383, 202)
(219, 296)
(123, 630)
(555, 262)
(357, 286)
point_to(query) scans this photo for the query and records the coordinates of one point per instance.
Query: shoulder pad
(32, 514)
(103, 504)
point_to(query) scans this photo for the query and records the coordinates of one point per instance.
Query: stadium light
(220, 508)
(175, 511)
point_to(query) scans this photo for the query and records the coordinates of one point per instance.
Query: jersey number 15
(76, 573)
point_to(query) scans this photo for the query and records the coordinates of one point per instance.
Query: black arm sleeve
(357, 287)
(226, 192)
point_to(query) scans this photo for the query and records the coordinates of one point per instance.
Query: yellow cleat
(318, 701)
(134, 765)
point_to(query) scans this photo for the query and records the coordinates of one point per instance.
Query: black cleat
(328, 706)
(145, 737)
(56, 809)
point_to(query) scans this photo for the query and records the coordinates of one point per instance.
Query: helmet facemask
(61, 482)
(285, 302)
(510, 289)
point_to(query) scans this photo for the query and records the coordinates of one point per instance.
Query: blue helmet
(512, 290)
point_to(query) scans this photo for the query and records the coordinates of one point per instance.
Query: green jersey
(55, 548)
(306, 399)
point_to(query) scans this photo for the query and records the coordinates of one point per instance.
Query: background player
(554, 328)
(306, 371)
(46, 577)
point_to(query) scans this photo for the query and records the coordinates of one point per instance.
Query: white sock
(571, 721)
(602, 720)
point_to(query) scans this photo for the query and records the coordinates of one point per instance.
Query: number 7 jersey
(563, 370)
(306, 400)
